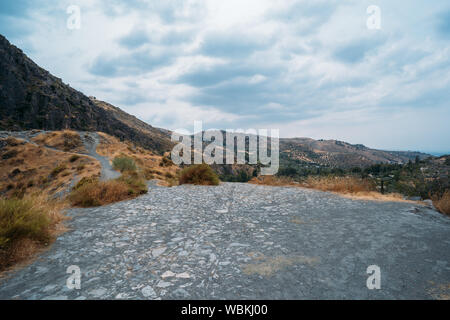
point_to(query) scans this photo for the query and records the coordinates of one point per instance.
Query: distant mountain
(340, 154)
(32, 98)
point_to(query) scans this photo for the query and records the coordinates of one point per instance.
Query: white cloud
(308, 67)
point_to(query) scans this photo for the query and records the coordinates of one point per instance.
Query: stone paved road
(241, 241)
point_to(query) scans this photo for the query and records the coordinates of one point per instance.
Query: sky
(308, 68)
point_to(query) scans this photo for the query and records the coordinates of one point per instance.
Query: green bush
(201, 174)
(124, 164)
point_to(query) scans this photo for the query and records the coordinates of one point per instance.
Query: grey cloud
(129, 64)
(443, 25)
(211, 76)
(356, 51)
(305, 17)
(231, 45)
(135, 39)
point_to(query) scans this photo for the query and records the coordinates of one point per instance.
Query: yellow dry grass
(90, 192)
(150, 165)
(268, 266)
(26, 168)
(345, 185)
(443, 203)
(273, 181)
(29, 225)
(67, 141)
(349, 187)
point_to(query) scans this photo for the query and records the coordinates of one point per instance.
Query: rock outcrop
(32, 98)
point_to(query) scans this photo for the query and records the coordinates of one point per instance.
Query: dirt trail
(91, 141)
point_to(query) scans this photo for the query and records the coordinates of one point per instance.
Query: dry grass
(443, 203)
(27, 226)
(67, 141)
(349, 187)
(26, 168)
(200, 174)
(273, 181)
(90, 192)
(268, 266)
(149, 165)
(344, 185)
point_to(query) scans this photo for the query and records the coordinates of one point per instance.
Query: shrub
(289, 172)
(443, 203)
(24, 224)
(136, 184)
(43, 180)
(85, 181)
(166, 162)
(15, 172)
(74, 158)
(201, 174)
(57, 170)
(90, 192)
(169, 175)
(10, 154)
(340, 184)
(71, 140)
(19, 219)
(124, 164)
(149, 174)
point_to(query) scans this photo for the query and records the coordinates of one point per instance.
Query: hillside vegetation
(200, 174)
(148, 164)
(27, 225)
(95, 193)
(26, 168)
(422, 179)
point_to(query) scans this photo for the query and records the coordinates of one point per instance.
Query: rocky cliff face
(32, 98)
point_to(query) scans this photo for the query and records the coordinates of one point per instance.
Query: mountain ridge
(32, 98)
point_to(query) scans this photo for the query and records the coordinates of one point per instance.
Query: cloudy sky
(310, 68)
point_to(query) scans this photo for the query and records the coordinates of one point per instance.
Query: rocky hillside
(32, 98)
(52, 162)
(340, 154)
(306, 152)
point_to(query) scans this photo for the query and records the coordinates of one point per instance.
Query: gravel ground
(242, 241)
